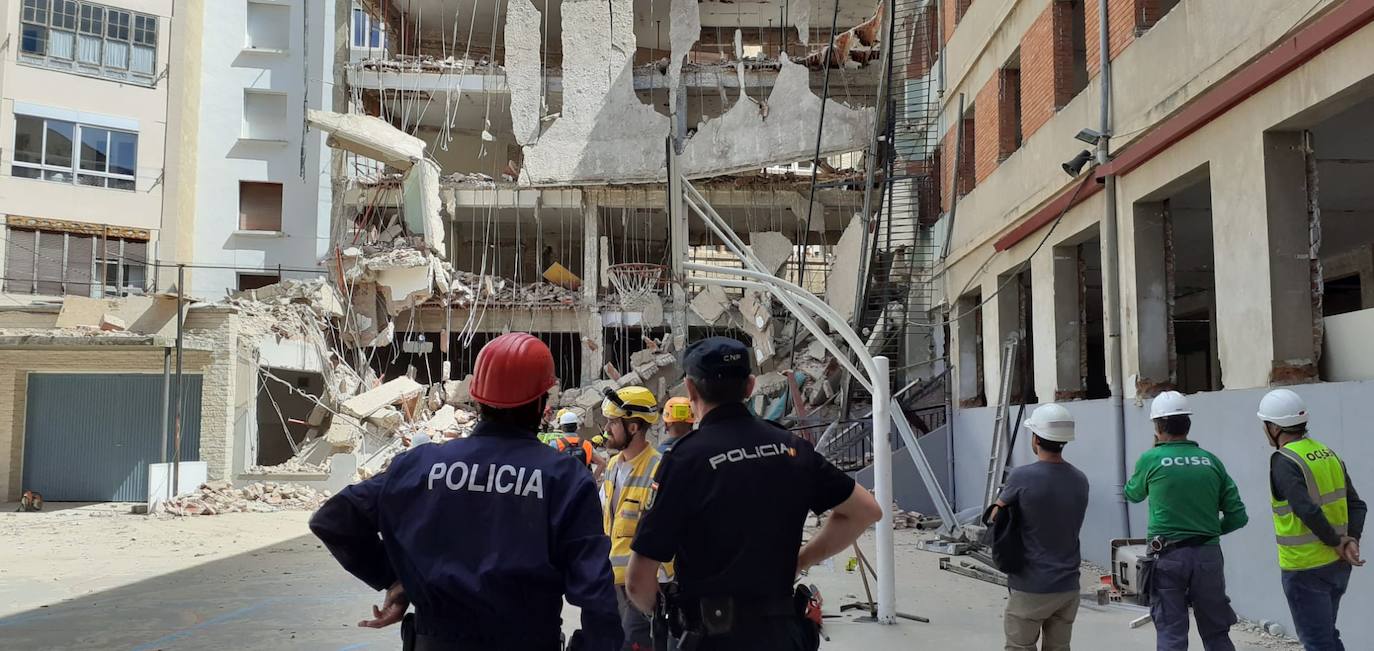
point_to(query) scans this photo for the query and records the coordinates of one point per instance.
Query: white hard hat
(569, 417)
(1282, 407)
(1169, 403)
(1051, 422)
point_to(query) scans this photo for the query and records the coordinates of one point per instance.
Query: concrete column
(1153, 296)
(589, 321)
(992, 340)
(1245, 313)
(1045, 323)
(1066, 326)
(1291, 206)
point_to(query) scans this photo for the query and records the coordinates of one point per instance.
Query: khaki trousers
(1029, 613)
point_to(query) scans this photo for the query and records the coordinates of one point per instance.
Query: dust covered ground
(95, 577)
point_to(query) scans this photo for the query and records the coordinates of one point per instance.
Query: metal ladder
(1001, 425)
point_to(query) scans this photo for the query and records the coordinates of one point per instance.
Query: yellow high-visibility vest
(1299, 548)
(621, 518)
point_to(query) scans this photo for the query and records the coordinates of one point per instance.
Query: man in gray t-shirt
(1050, 497)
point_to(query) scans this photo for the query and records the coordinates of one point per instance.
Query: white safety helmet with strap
(1169, 403)
(568, 417)
(1051, 422)
(1283, 407)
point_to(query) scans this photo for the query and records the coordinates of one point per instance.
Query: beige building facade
(83, 114)
(1235, 197)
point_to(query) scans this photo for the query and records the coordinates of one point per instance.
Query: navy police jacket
(486, 534)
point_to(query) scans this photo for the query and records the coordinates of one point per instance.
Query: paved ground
(92, 578)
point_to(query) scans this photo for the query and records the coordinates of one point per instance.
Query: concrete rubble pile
(218, 497)
(469, 289)
(425, 63)
(913, 520)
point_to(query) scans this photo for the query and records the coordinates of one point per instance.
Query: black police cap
(717, 358)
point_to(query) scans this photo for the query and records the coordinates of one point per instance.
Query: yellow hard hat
(631, 402)
(598, 439)
(678, 410)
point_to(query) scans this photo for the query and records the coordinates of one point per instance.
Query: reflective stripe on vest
(621, 518)
(1324, 474)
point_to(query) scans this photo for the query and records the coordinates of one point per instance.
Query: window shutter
(80, 260)
(136, 264)
(19, 248)
(51, 263)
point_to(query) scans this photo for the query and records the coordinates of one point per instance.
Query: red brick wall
(985, 119)
(1046, 59)
(1121, 24)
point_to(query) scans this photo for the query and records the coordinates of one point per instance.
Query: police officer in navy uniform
(484, 535)
(731, 500)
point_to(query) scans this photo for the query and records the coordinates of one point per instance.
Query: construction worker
(572, 444)
(1187, 487)
(677, 422)
(1050, 499)
(485, 535)
(630, 413)
(1318, 519)
(732, 499)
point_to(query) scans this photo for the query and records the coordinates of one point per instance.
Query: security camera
(1073, 167)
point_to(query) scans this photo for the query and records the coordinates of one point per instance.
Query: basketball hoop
(635, 281)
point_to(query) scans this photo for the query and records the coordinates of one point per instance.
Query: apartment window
(1077, 55)
(269, 27)
(368, 33)
(88, 38)
(60, 263)
(257, 281)
(68, 152)
(264, 115)
(259, 206)
(1009, 134)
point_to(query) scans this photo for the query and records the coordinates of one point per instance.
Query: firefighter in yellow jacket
(630, 413)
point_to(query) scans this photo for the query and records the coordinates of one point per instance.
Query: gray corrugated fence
(90, 437)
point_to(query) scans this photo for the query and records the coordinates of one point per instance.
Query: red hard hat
(512, 370)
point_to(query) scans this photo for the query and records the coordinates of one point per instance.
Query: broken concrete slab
(420, 190)
(710, 303)
(112, 323)
(367, 403)
(757, 309)
(344, 433)
(388, 419)
(816, 350)
(651, 311)
(444, 420)
(524, 69)
(771, 248)
(770, 384)
(642, 357)
(405, 287)
(370, 137)
(840, 284)
(456, 391)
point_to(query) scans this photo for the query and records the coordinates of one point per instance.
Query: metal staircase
(896, 285)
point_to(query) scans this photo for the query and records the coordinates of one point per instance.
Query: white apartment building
(83, 114)
(252, 199)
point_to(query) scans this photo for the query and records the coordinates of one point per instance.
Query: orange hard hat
(678, 410)
(512, 370)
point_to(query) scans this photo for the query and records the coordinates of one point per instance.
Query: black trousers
(783, 633)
